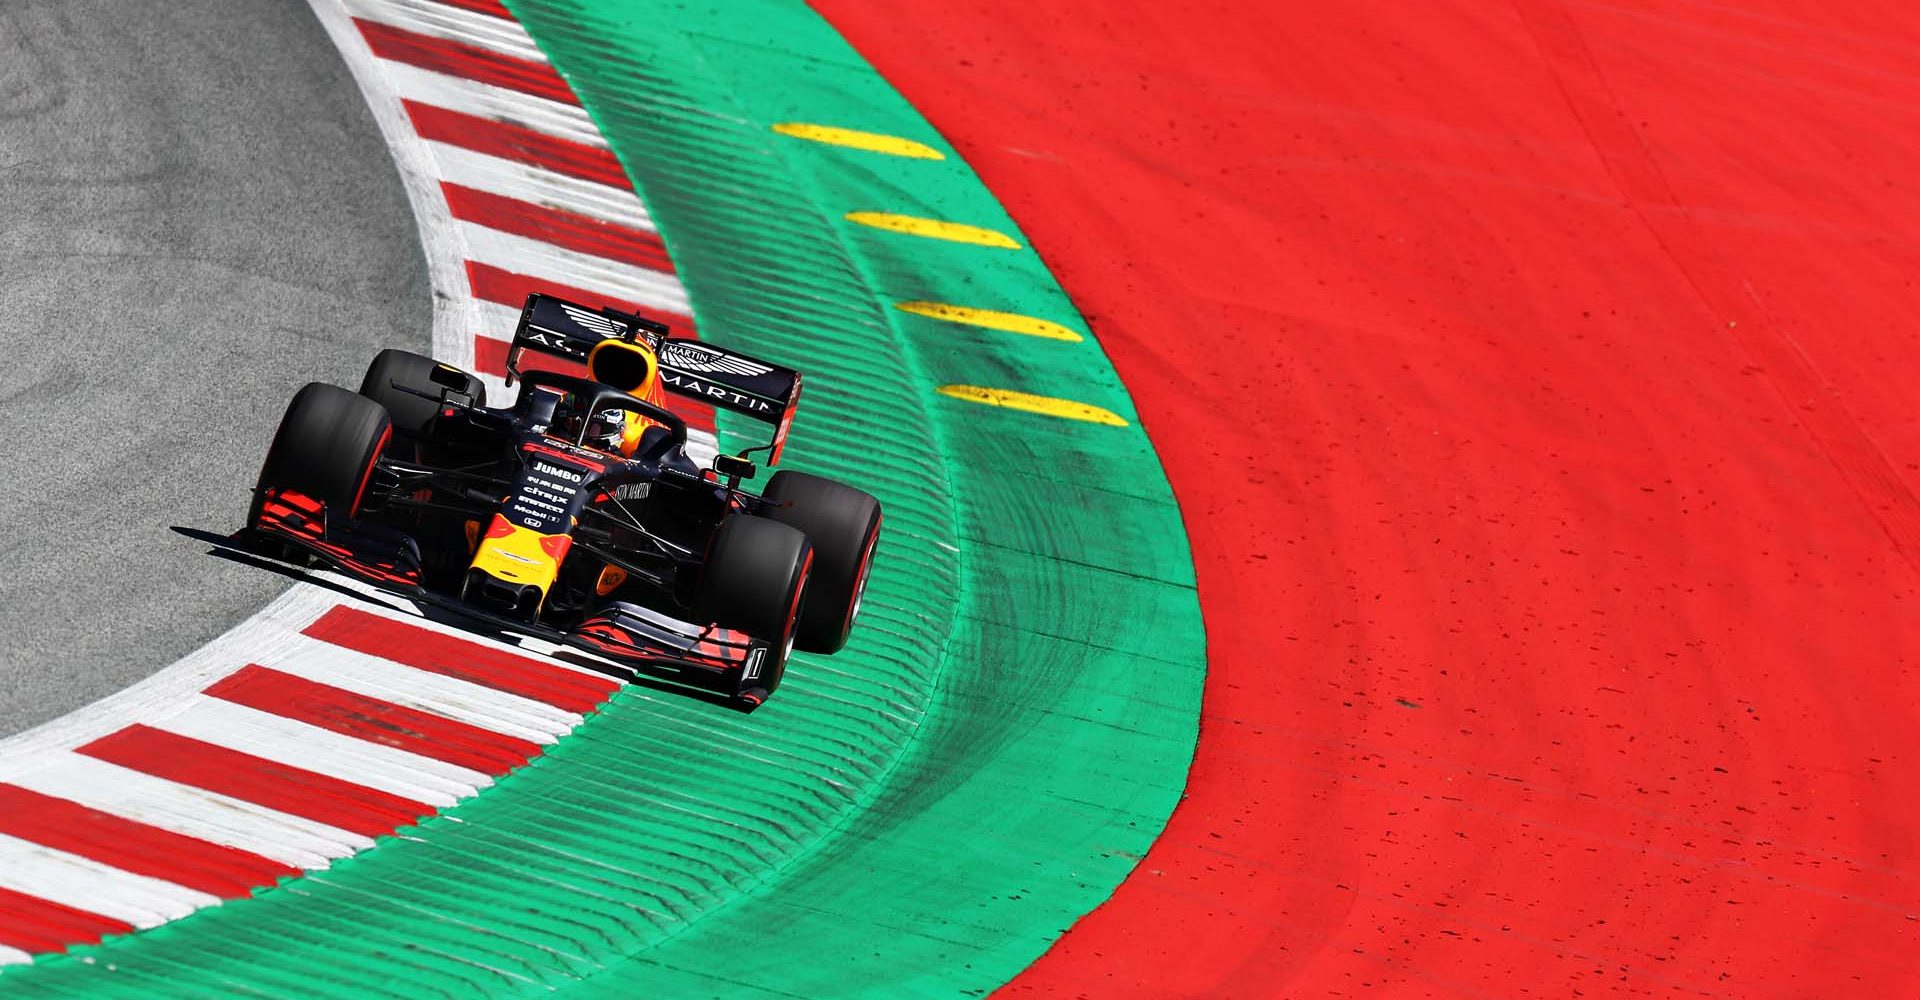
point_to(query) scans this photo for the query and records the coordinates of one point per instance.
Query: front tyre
(326, 447)
(754, 579)
(844, 526)
(411, 412)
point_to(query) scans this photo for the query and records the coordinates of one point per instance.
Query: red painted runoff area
(1536, 381)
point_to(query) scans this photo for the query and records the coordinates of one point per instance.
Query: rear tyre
(844, 526)
(414, 371)
(755, 577)
(326, 447)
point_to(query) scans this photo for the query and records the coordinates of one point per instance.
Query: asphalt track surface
(197, 215)
(1535, 379)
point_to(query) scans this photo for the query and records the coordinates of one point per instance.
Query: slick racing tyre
(410, 412)
(844, 525)
(325, 448)
(755, 577)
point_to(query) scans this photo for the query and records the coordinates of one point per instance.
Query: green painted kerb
(920, 815)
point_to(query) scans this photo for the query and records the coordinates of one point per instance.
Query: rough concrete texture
(197, 215)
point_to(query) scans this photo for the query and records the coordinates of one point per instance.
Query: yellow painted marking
(1064, 408)
(872, 142)
(991, 319)
(913, 225)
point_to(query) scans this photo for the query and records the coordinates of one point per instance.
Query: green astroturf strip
(920, 815)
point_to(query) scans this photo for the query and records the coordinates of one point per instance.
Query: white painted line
(441, 695)
(485, 100)
(297, 744)
(13, 956)
(702, 447)
(521, 181)
(445, 252)
(194, 812)
(43, 759)
(497, 322)
(638, 285)
(532, 646)
(454, 24)
(162, 691)
(84, 884)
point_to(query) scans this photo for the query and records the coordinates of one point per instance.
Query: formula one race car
(575, 514)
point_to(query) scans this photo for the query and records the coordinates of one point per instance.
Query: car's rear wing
(714, 375)
(564, 330)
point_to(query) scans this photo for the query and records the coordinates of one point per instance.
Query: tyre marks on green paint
(919, 815)
(1065, 715)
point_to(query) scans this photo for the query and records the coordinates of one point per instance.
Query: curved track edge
(989, 715)
(1065, 716)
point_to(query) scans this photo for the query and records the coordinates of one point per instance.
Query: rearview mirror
(451, 378)
(733, 467)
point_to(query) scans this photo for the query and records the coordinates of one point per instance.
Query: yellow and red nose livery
(521, 555)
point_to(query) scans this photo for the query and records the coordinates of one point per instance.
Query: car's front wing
(629, 634)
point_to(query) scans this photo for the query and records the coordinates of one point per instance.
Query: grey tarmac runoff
(197, 215)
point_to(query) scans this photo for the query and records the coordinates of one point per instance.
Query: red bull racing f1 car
(575, 513)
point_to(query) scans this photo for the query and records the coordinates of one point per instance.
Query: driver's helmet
(606, 429)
